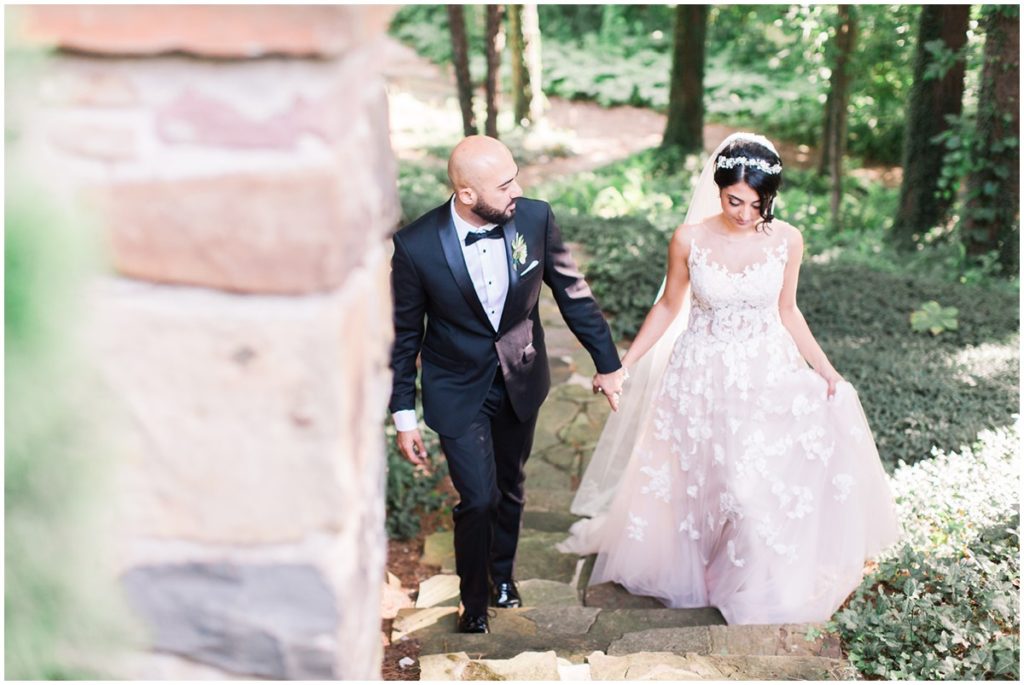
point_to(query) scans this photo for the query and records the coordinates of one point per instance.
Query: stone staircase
(566, 630)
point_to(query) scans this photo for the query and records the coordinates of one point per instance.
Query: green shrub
(945, 603)
(918, 391)
(63, 613)
(421, 188)
(412, 494)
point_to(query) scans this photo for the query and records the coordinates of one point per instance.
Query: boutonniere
(518, 249)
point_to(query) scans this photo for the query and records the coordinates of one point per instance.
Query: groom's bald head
(483, 175)
(476, 158)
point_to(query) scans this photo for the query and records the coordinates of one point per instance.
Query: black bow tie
(496, 233)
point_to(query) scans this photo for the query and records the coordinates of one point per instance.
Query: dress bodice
(735, 305)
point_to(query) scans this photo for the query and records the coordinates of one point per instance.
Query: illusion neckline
(769, 252)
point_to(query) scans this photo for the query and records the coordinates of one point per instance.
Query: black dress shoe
(506, 596)
(473, 623)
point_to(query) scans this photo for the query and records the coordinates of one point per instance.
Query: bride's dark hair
(763, 175)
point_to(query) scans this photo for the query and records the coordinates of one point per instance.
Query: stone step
(572, 632)
(752, 640)
(667, 666)
(443, 590)
(614, 596)
(536, 556)
(546, 665)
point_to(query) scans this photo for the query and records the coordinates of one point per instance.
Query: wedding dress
(746, 488)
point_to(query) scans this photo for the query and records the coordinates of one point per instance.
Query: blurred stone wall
(237, 164)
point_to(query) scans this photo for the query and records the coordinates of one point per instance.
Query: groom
(473, 268)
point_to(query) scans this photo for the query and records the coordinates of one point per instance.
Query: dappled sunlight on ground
(575, 135)
(988, 361)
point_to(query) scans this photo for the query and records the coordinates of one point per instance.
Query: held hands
(611, 385)
(410, 444)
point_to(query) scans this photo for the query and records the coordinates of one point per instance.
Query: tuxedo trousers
(486, 466)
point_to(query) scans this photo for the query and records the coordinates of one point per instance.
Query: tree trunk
(520, 77)
(460, 57)
(528, 100)
(495, 41)
(532, 54)
(931, 101)
(833, 146)
(685, 127)
(992, 210)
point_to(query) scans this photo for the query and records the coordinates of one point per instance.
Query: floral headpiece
(730, 162)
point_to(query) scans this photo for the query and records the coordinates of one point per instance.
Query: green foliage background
(61, 612)
(767, 65)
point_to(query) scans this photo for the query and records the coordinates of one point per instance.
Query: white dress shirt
(487, 263)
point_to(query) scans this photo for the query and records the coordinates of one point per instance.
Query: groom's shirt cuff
(405, 420)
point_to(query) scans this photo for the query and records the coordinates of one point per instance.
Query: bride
(734, 475)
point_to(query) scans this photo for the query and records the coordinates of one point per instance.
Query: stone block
(673, 640)
(562, 620)
(543, 475)
(651, 666)
(265, 620)
(614, 596)
(773, 640)
(505, 645)
(548, 521)
(570, 671)
(222, 31)
(272, 176)
(439, 590)
(103, 142)
(439, 550)
(537, 592)
(458, 666)
(547, 500)
(422, 622)
(537, 557)
(613, 624)
(246, 419)
(288, 233)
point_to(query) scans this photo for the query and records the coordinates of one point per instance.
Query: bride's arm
(667, 307)
(794, 320)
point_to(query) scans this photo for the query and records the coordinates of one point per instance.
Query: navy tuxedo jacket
(460, 349)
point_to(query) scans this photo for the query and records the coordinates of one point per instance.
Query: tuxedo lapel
(457, 263)
(513, 275)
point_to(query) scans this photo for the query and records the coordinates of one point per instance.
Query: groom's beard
(493, 215)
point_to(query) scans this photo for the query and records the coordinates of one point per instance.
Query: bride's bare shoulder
(788, 231)
(683, 234)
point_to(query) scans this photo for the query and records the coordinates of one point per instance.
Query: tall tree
(833, 147)
(685, 127)
(524, 43)
(937, 94)
(992, 211)
(494, 43)
(460, 56)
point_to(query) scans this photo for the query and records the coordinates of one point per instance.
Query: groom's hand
(410, 444)
(611, 385)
